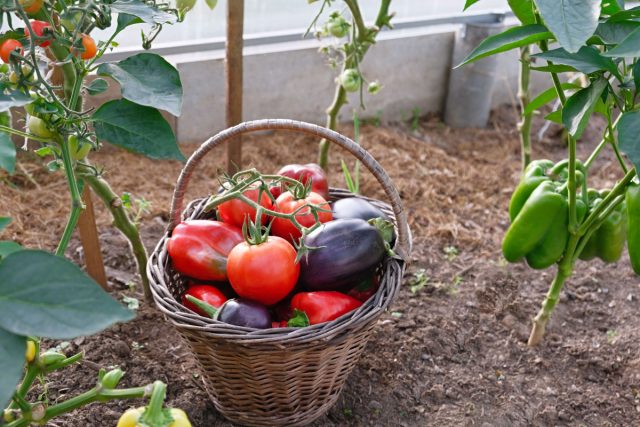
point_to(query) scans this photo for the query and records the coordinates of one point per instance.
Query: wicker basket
(282, 376)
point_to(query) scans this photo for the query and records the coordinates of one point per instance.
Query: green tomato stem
(10, 130)
(76, 199)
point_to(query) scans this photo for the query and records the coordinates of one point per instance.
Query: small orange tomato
(31, 6)
(90, 48)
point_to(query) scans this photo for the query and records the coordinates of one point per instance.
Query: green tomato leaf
(523, 9)
(586, 60)
(147, 79)
(628, 131)
(7, 247)
(629, 47)
(12, 360)
(7, 153)
(53, 298)
(4, 221)
(615, 32)
(13, 99)
(144, 11)
(554, 68)
(211, 3)
(125, 20)
(571, 21)
(545, 97)
(469, 3)
(580, 106)
(185, 5)
(136, 128)
(507, 40)
(97, 86)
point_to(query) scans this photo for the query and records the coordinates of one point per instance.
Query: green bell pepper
(533, 176)
(607, 242)
(633, 230)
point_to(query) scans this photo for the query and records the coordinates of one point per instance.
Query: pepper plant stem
(524, 126)
(601, 145)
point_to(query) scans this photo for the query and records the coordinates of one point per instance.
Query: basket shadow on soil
(452, 352)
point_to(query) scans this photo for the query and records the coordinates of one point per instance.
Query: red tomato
(264, 273)
(304, 173)
(9, 46)
(287, 203)
(324, 306)
(89, 46)
(280, 324)
(199, 248)
(236, 211)
(40, 29)
(31, 6)
(207, 293)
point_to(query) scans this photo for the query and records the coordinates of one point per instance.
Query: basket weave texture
(280, 376)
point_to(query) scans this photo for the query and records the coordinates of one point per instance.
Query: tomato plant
(555, 218)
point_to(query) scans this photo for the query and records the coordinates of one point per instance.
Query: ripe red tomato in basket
(287, 203)
(199, 248)
(264, 273)
(305, 173)
(235, 211)
(324, 306)
(207, 293)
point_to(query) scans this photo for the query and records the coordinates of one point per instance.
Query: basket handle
(404, 241)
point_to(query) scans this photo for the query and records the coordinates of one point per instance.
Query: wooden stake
(233, 72)
(90, 242)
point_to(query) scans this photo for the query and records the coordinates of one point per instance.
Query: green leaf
(624, 15)
(507, 40)
(144, 11)
(97, 86)
(4, 221)
(628, 131)
(7, 247)
(348, 179)
(299, 319)
(636, 74)
(610, 7)
(12, 349)
(523, 9)
(13, 99)
(571, 21)
(554, 68)
(147, 79)
(469, 3)
(615, 32)
(47, 296)
(545, 97)
(629, 47)
(586, 60)
(136, 128)
(580, 106)
(7, 153)
(125, 20)
(554, 116)
(211, 3)
(185, 5)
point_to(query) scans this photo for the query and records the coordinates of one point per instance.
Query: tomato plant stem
(76, 200)
(524, 126)
(123, 222)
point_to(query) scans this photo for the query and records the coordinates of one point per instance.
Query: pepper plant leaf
(586, 60)
(7, 247)
(4, 221)
(147, 79)
(545, 97)
(507, 40)
(572, 22)
(523, 9)
(610, 7)
(137, 128)
(53, 298)
(629, 47)
(628, 131)
(580, 106)
(7, 153)
(12, 348)
(614, 32)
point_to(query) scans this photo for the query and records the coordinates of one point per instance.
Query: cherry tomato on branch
(40, 29)
(264, 272)
(287, 204)
(89, 48)
(199, 248)
(38, 127)
(350, 79)
(78, 149)
(207, 293)
(236, 211)
(305, 173)
(31, 7)
(9, 46)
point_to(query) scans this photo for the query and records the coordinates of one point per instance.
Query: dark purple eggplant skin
(348, 250)
(243, 312)
(355, 207)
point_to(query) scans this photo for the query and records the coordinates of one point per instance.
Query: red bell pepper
(324, 306)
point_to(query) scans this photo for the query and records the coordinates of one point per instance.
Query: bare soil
(451, 352)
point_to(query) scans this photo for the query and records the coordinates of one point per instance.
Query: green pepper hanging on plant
(633, 229)
(607, 242)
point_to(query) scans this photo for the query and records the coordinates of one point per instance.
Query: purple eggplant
(239, 312)
(346, 251)
(355, 207)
